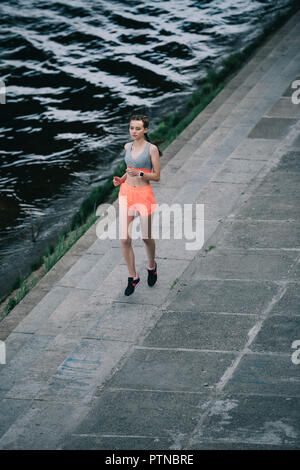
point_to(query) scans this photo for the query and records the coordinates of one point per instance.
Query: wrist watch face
(141, 173)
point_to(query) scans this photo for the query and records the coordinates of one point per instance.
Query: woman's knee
(126, 242)
(148, 241)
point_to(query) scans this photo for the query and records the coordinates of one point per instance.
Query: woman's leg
(127, 249)
(149, 242)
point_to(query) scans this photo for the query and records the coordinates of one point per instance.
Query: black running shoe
(152, 275)
(131, 285)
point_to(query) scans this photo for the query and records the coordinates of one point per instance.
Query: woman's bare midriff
(136, 181)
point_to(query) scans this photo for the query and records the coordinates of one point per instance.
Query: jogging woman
(143, 165)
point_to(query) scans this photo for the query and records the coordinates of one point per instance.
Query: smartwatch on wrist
(141, 174)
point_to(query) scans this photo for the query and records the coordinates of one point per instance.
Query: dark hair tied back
(145, 120)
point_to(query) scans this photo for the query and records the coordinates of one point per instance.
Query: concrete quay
(207, 358)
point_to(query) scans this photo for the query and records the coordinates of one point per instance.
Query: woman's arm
(155, 159)
(117, 180)
(123, 178)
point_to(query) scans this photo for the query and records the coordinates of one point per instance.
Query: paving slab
(272, 128)
(289, 303)
(263, 234)
(259, 421)
(81, 322)
(50, 316)
(198, 330)
(165, 415)
(174, 370)
(222, 263)
(13, 371)
(290, 161)
(113, 322)
(42, 426)
(175, 249)
(290, 90)
(239, 170)
(100, 247)
(284, 107)
(266, 374)
(43, 310)
(280, 182)
(14, 343)
(278, 334)
(85, 368)
(272, 207)
(10, 410)
(36, 297)
(231, 296)
(4, 333)
(218, 199)
(294, 273)
(40, 371)
(255, 148)
(296, 142)
(64, 314)
(90, 270)
(212, 140)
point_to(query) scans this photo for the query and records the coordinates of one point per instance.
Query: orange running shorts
(137, 198)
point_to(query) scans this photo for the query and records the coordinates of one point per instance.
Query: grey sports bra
(142, 161)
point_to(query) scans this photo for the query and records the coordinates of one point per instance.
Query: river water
(74, 71)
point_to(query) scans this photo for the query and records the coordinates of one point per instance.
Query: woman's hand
(131, 171)
(117, 180)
